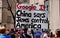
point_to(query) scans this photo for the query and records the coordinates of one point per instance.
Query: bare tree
(10, 9)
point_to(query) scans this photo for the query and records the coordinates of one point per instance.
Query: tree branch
(10, 9)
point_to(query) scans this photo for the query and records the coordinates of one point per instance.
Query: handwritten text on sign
(31, 7)
(27, 14)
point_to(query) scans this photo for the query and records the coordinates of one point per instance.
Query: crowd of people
(26, 33)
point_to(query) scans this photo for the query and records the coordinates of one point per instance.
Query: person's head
(46, 31)
(57, 34)
(12, 30)
(7, 31)
(2, 29)
(25, 30)
(4, 25)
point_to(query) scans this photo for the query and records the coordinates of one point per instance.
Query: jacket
(4, 36)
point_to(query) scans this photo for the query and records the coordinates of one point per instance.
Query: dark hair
(46, 31)
(25, 29)
(57, 32)
(2, 30)
(12, 30)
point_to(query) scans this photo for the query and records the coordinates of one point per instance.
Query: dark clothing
(25, 36)
(12, 35)
(32, 33)
(4, 36)
(38, 34)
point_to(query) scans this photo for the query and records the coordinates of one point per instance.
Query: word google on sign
(31, 7)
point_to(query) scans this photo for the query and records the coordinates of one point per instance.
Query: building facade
(7, 18)
(0, 12)
(54, 15)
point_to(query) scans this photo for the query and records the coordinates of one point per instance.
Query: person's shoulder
(7, 36)
(4, 36)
